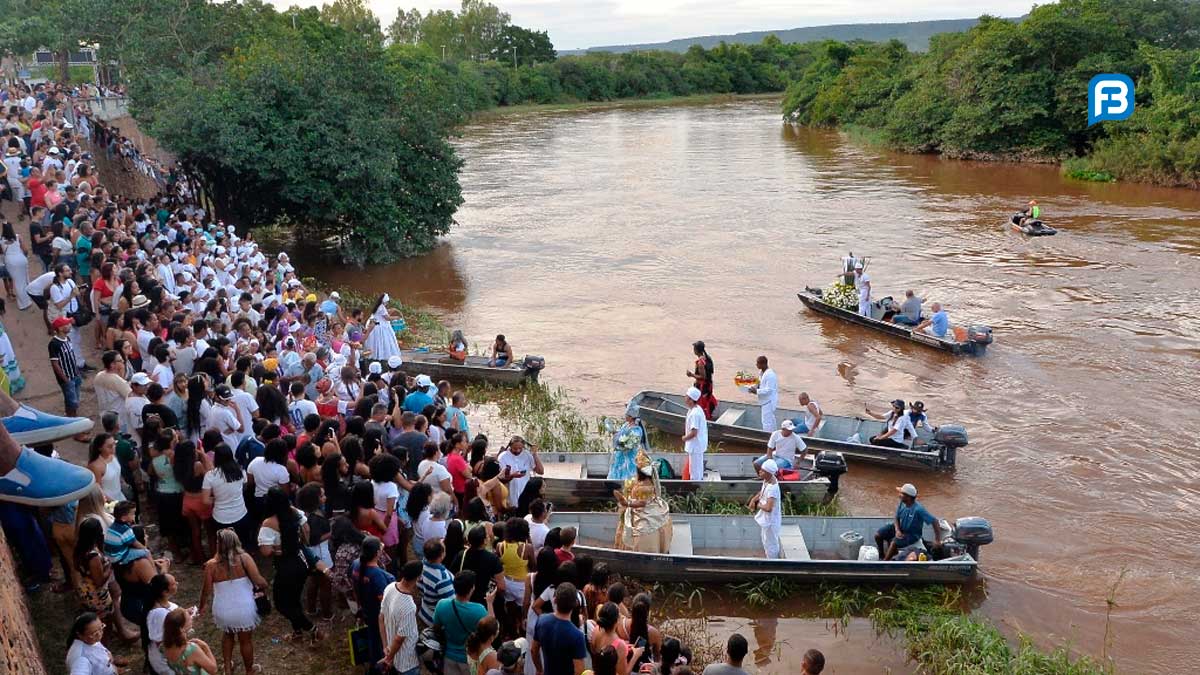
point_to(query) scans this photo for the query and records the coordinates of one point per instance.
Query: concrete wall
(109, 108)
(19, 653)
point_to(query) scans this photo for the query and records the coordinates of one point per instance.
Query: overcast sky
(575, 24)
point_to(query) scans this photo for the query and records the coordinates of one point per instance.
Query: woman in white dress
(16, 261)
(381, 339)
(230, 581)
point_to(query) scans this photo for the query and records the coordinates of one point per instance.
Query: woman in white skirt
(381, 339)
(16, 261)
(230, 582)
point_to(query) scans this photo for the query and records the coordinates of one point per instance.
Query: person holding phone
(517, 461)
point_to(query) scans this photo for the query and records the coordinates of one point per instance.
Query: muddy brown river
(609, 240)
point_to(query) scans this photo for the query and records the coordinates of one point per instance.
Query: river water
(609, 240)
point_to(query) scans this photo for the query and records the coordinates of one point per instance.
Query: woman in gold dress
(643, 516)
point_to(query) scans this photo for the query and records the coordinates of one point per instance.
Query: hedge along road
(608, 240)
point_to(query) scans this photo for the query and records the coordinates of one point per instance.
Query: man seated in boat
(937, 325)
(783, 446)
(502, 353)
(910, 310)
(643, 516)
(908, 526)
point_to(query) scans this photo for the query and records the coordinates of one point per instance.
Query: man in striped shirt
(436, 581)
(398, 622)
(63, 361)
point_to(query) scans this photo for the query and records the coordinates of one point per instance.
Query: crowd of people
(268, 437)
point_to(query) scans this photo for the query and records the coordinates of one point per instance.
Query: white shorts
(514, 590)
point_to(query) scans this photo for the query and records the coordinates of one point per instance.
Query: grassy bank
(623, 103)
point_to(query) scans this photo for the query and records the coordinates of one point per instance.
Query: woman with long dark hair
(272, 404)
(637, 627)
(370, 581)
(186, 657)
(16, 262)
(284, 536)
(96, 579)
(224, 491)
(540, 581)
(380, 338)
(702, 378)
(335, 478)
(533, 491)
(197, 396)
(189, 468)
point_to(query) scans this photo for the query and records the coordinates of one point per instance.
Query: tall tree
(521, 46)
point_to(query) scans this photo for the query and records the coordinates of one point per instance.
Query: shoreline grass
(651, 102)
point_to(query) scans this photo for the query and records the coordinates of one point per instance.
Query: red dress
(704, 382)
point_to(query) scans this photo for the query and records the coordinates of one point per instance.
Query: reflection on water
(610, 240)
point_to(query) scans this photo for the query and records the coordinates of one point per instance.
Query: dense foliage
(1008, 90)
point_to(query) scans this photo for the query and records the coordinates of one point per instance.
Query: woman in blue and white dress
(381, 339)
(627, 440)
(8, 361)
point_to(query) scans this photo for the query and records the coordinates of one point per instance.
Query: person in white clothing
(517, 462)
(767, 508)
(862, 283)
(783, 446)
(134, 403)
(695, 435)
(398, 624)
(767, 391)
(811, 417)
(223, 417)
(86, 655)
(898, 429)
(245, 404)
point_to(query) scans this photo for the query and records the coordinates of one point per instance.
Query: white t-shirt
(862, 283)
(438, 473)
(809, 418)
(246, 407)
(228, 504)
(696, 420)
(399, 613)
(133, 412)
(58, 293)
(383, 492)
(299, 409)
(905, 433)
(427, 528)
(785, 447)
(267, 475)
(85, 659)
(537, 532)
(518, 463)
(224, 420)
(164, 375)
(154, 628)
(775, 516)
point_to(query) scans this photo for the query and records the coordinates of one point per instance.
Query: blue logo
(1110, 97)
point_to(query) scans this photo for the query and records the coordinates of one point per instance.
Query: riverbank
(630, 103)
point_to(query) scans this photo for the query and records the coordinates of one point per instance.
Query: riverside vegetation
(1018, 91)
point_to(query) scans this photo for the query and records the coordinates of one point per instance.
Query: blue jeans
(904, 320)
(70, 390)
(801, 427)
(783, 463)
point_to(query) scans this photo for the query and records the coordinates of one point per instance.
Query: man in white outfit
(768, 511)
(767, 391)
(695, 435)
(862, 283)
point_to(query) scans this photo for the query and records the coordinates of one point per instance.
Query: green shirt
(167, 484)
(126, 451)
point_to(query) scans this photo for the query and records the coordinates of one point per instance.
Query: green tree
(355, 17)
(523, 46)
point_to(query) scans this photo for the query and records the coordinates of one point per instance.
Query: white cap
(140, 379)
(335, 296)
(907, 489)
(770, 467)
(375, 368)
(693, 393)
(858, 265)
(292, 283)
(394, 361)
(424, 381)
(787, 424)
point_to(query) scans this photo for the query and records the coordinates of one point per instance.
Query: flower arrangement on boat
(744, 379)
(843, 296)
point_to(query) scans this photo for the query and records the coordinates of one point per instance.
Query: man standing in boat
(767, 391)
(768, 512)
(703, 376)
(908, 527)
(695, 435)
(862, 283)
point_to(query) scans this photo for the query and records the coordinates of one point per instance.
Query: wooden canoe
(574, 478)
(812, 300)
(741, 424)
(720, 549)
(475, 369)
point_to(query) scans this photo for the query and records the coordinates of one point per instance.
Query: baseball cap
(60, 322)
(511, 652)
(907, 489)
(693, 393)
(224, 392)
(140, 379)
(787, 424)
(424, 381)
(858, 265)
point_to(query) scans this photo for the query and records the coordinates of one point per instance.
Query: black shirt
(484, 563)
(43, 248)
(61, 351)
(410, 445)
(168, 417)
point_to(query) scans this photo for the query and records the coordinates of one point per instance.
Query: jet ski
(1032, 228)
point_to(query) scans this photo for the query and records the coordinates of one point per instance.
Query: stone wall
(19, 653)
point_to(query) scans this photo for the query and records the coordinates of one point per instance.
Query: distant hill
(915, 34)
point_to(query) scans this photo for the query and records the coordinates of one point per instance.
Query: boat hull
(741, 532)
(814, 303)
(475, 370)
(669, 419)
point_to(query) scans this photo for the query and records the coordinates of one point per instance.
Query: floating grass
(545, 416)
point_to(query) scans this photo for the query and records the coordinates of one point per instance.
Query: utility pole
(443, 52)
(514, 57)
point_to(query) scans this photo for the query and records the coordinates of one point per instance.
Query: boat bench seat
(681, 539)
(569, 470)
(793, 545)
(731, 417)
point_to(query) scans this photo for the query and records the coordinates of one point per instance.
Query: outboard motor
(533, 365)
(830, 464)
(979, 337)
(947, 439)
(973, 532)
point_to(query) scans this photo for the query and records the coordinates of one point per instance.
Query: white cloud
(575, 24)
